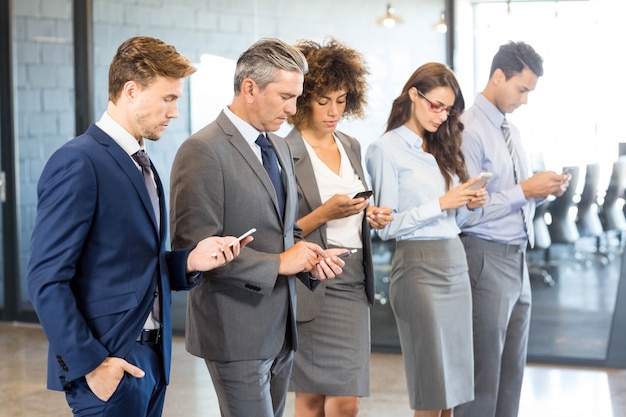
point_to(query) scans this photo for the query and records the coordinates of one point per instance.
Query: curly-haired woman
(331, 367)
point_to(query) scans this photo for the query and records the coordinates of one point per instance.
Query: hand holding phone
(344, 254)
(239, 239)
(484, 179)
(364, 194)
(347, 253)
(242, 237)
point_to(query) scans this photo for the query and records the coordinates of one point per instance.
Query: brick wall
(44, 61)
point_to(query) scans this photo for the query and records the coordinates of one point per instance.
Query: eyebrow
(328, 98)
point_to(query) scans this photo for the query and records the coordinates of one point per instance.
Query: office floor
(548, 391)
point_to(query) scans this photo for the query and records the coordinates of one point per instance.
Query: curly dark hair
(445, 143)
(332, 67)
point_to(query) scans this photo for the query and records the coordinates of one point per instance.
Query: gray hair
(262, 61)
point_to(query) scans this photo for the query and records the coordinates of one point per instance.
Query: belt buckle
(150, 335)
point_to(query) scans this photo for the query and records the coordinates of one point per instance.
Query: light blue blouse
(408, 180)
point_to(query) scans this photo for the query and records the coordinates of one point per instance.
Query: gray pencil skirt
(334, 348)
(431, 299)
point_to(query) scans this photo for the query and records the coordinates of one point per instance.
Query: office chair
(563, 227)
(611, 213)
(587, 219)
(540, 266)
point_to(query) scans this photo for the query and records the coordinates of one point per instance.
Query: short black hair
(513, 57)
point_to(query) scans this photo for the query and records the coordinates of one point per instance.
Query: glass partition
(575, 276)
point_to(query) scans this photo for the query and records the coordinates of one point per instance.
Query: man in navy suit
(99, 276)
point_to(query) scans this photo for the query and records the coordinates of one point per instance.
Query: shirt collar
(249, 133)
(495, 116)
(120, 135)
(411, 138)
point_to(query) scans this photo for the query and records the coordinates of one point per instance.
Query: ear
(130, 90)
(249, 89)
(413, 94)
(498, 76)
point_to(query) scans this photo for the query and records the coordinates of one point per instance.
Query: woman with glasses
(418, 169)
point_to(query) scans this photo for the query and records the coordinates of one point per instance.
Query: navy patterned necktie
(141, 157)
(270, 163)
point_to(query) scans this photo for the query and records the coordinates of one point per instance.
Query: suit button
(62, 363)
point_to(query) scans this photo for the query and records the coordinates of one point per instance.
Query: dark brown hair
(332, 67)
(445, 143)
(143, 59)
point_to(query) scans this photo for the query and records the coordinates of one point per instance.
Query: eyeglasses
(438, 108)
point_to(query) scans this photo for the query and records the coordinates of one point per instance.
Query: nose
(524, 98)
(443, 116)
(172, 110)
(332, 109)
(290, 107)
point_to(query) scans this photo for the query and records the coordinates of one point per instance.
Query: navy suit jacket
(96, 257)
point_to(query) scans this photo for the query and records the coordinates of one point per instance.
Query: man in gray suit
(241, 320)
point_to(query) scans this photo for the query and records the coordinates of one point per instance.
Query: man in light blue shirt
(495, 242)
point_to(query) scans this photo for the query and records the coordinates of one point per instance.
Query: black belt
(149, 336)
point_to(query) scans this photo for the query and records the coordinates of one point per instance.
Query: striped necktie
(506, 132)
(509, 144)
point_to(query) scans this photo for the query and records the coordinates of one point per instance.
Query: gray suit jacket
(309, 199)
(243, 310)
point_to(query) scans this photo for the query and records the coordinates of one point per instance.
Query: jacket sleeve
(66, 203)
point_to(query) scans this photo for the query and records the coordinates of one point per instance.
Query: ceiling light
(442, 26)
(390, 19)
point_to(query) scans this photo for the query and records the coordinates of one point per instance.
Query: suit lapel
(305, 178)
(286, 169)
(239, 142)
(162, 208)
(353, 156)
(134, 175)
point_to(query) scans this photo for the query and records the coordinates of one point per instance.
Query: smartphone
(364, 194)
(242, 237)
(346, 253)
(239, 239)
(484, 179)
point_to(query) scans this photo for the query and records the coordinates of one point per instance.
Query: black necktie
(144, 162)
(270, 163)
